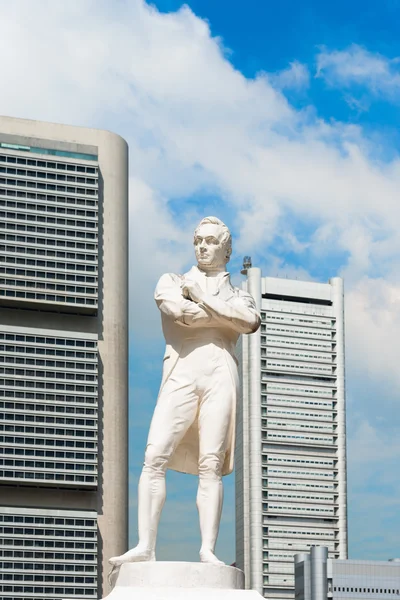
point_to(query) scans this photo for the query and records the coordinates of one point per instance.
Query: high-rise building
(291, 438)
(63, 358)
(318, 577)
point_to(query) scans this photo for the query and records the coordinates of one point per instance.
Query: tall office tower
(291, 440)
(63, 358)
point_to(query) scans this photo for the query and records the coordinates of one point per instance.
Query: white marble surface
(180, 574)
(193, 425)
(176, 580)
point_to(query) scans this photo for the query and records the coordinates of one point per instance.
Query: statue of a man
(193, 425)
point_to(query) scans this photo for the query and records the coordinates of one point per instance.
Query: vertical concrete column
(319, 582)
(338, 311)
(113, 352)
(255, 495)
(242, 461)
(302, 576)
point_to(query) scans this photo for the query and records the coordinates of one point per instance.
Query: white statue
(193, 426)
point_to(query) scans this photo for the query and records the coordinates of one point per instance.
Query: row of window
(294, 414)
(28, 452)
(279, 555)
(44, 419)
(49, 297)
(307, 333)
(89, 202)
(297, 473)
(301, 461)
(272, 531)
(367, 590)
(276, 496)
(294, 425)
(59, 398)
(37, 555)
(47, 164)
(88, 389)
(59, 275)
(64, 189)
(46, 520)
(48, 408)
(40, 543)
(48, 175)
(320, 404)
(69, 533)
(50, 287)
(69, 431)
(70, 289)
(64, 579)
(303, 320)
(302, 439)
(46, 351)
(47, 264)
(22, 216)
(49, 231)
(41, 476)
(297, 391)
(59, 443)
(74, 376)
(293, 366)
(302, 379)
(72, 410)
(40, 339)
(298, 509)
(55, 454)
(292, 354)
(44, 593)
(277, 341)
(48, 241)
(55, 364)
(50, 208)
(299, 545)
(38, 464)
(50, 253)
(278, 483)
(47, 567)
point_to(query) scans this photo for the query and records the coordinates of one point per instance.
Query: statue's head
(212, 243)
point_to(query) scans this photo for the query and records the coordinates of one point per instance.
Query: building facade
(318, 577)
(291, 438)
(63, 358)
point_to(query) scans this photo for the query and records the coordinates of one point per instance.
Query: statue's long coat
(234, 313)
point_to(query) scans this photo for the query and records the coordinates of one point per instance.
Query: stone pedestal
(179, 581)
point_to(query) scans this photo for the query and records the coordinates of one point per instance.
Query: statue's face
(210, 250)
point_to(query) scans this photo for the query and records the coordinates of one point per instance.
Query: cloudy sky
(282, 118)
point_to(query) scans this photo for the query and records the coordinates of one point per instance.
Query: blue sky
(280, 118)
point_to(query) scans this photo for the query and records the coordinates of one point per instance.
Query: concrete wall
(111, 326)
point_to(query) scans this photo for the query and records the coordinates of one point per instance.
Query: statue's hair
(226, 238)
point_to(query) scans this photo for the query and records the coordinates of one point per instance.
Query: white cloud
(374, 491)
(373, 331)
(295, 77)
(356, 65)
(197, 126)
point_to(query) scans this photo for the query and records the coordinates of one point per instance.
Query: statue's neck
(212, 271)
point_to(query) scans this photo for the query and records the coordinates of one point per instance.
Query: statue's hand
(192, 290)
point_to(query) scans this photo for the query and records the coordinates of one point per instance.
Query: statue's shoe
(207, 556)
(137, 554)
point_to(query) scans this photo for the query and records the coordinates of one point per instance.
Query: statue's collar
(222, 280)
(196, 272)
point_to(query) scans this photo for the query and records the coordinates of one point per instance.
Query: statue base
(179, 581)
